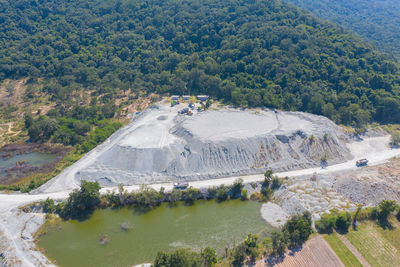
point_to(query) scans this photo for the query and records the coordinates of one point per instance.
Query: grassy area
(380, 247)
(344, 254)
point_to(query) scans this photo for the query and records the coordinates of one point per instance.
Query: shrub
(298, 228)
(343, 221)
(208, 257)
(276, 183)
(222, 193)
(48, 206)
(239, 255)
(395, 139)
(212, 192)
(267, 193)
(244, 195)
(147, 197)
(236, 188)
(385, 208)
(176, 195)
(191, 194)
(278, 242)
(326, 223)
(82, 202)
(180, 257)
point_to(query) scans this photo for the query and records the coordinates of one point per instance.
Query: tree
(82, 202)
(191, 194)
(184, 257)
(42, 129)
(244, 195)
(48, 206)
(298, 228)
(326, 223)
(236, 188)
(222, 193)
(385, 208)
(278, 242)
(176, 195)
(395, 139)
(239, 255)
(209, 257)
(162, 259)
(343, 221)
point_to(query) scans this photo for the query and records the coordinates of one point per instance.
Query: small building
(186, 97)
(175, 97)
(203, 97)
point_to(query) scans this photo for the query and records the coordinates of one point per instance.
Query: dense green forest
(246, 53)
(376, 20)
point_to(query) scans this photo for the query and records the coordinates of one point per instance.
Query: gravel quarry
(160, 145)
(210, 149)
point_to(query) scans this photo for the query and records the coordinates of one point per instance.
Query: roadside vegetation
(82, 202)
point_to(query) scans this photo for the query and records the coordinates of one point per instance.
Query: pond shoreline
(154, 215)
(22, 170)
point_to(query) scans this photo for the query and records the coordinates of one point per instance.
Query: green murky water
(206, 223)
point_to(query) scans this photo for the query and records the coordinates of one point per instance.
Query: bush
(298, 228)
(222, 193)
(276, 183)
(395, 139)
(147, 197)
(191, 194)
(176, 195)
(385, 208)
(180, 257)
(82, 202)
(208, 257)
(343, 222)
(267, 193)
(326, 223)
(278, 242)
(236, 188)
(239, 255)
(244, 195)
(48, 206)
(251, 240)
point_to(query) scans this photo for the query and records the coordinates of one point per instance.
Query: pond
(32, 158)
(206, 223)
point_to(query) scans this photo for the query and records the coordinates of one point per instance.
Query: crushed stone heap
(161, 145)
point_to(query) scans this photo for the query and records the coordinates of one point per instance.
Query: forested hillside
(376, 20)
(248, 53)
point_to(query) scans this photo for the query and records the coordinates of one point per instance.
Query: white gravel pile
(160, 145)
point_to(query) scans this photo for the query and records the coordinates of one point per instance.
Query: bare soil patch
(371, 185)
(315, 252)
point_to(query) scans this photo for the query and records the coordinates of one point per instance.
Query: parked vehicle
(184, 111)
(181, 185)
(361, 162)
(174, 103)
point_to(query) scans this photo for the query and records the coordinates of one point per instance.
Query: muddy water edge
(129, 236)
